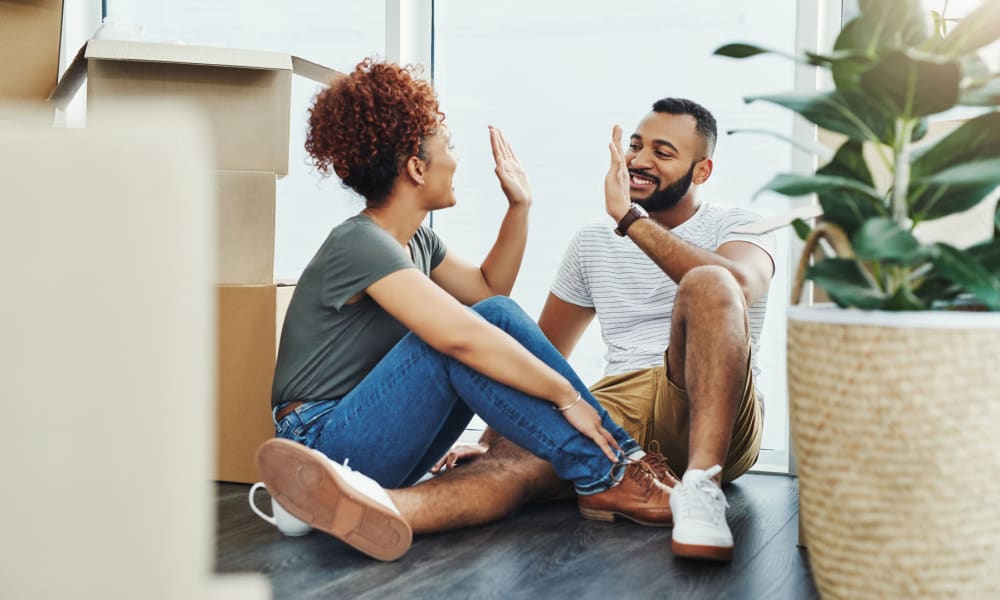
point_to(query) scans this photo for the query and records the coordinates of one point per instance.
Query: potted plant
(895, 395)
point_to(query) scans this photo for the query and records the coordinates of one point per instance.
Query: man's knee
(710, 286)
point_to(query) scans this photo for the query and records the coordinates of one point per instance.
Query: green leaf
(849, 161)
(791, 184)
(964, 270)
(849, 209)
(846, 283)
(935, 289)
(836, 57)
(904, 299)
(976, 140)
(896, 23)
(884, 239)
(980, 173)
(987, 254)
(741, 50)
(977, 29)
(843, 112)
(883, 24)
(936, 201)
(909, 87)
(853, 38)
(886, 24)
(802, 229)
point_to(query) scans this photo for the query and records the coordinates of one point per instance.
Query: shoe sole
(608, 516)
(716, 553)
(310, 489)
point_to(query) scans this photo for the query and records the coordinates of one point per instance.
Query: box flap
(71, 80)
(184, 54)
(316, 72)
(121, 50)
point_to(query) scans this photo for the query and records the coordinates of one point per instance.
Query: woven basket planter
(896, 426)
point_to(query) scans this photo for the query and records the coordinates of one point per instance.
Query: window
(556, 78)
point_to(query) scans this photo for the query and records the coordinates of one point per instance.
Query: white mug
(282, 519)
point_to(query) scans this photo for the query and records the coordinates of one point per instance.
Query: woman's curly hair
(365, 126)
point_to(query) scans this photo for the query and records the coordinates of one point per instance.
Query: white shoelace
(700, 499)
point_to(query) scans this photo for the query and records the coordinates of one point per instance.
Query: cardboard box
(246, 206)
(30, 36)
(246, 94)
(249, 326)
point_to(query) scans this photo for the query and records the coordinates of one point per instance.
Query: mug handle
(253, 489)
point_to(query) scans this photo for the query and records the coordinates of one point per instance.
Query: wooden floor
(544, 551)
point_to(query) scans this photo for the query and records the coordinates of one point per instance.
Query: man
(680, 299)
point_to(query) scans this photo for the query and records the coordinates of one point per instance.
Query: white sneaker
(699, 507)
(334, 498)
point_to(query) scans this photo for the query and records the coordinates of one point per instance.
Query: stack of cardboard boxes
(245, 96)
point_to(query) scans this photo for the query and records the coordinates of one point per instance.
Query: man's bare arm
(750, 264)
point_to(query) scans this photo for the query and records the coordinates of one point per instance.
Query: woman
(382, 364)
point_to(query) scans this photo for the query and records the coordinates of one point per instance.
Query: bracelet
(570, 405)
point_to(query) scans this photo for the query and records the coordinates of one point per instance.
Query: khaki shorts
(649, 406)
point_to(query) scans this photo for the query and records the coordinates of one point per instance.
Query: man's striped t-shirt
(633, 297)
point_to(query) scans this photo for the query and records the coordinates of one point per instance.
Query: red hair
(365, 126)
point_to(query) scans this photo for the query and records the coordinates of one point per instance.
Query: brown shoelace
(655, 459)
(644, 475)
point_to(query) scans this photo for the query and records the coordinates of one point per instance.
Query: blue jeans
(409, 410)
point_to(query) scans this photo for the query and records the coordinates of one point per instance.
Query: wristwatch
(635, 212)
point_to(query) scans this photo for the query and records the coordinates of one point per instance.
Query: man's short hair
(705, 126)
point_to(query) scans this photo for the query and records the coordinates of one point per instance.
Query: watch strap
(634, 213)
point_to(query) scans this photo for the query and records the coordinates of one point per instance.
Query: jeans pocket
(287, 429)
(312, 412)
(299, 425)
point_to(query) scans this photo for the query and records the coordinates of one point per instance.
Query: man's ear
(415, 169)
(703, 171)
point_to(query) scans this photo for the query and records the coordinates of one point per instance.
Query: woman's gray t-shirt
(328, 346)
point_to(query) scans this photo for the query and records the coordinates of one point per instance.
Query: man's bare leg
(709, 341)
(480, 491)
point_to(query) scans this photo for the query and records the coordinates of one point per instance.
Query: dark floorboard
(543, 551)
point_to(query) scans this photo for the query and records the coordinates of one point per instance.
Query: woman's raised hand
(513, 178)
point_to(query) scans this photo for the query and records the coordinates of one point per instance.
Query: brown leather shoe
(658, 463)
(640, 496)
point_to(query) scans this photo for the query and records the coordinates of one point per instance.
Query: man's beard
(669, 196)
